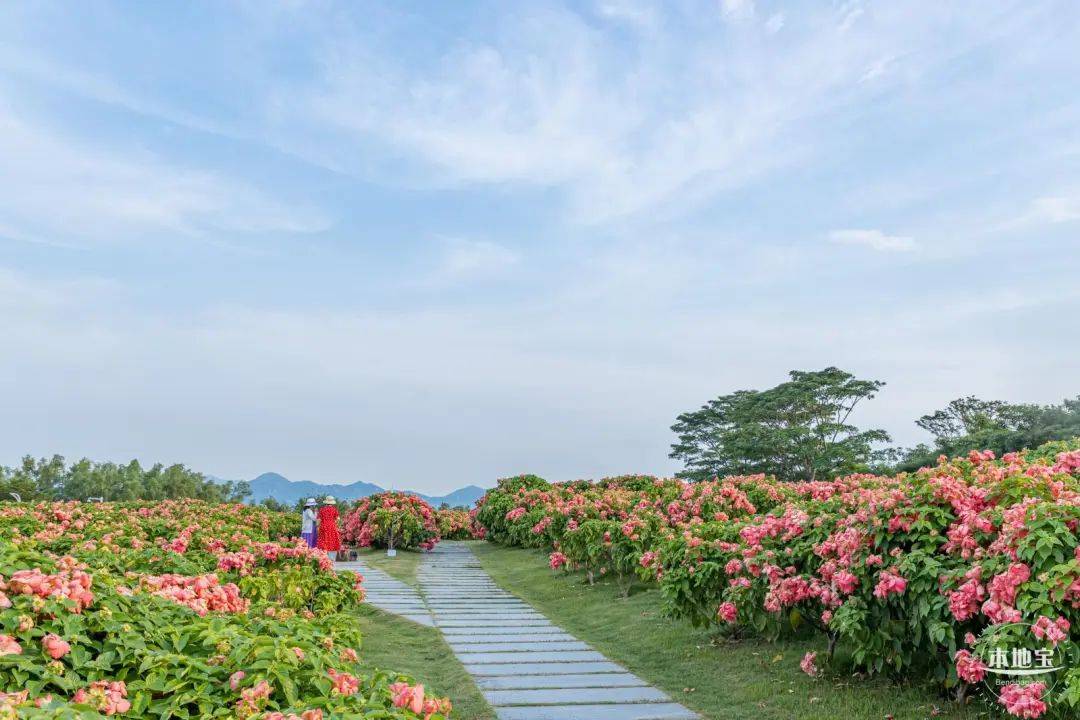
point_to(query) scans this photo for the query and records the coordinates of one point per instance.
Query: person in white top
(308, 527)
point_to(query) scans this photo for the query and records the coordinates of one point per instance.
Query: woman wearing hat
(329, 539)
(308, 524)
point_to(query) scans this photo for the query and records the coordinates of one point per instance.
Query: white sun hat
(310, 502)
(330, 500)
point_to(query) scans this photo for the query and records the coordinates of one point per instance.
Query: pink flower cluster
(344, 683)
(889, 583)
(1053, 631)
(1024, 701)
(412, 697)
(107, 697)
(70, 583)
(970, 668)
(253, 698)
(201, 593)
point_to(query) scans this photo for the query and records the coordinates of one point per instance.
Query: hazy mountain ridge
(282, 489)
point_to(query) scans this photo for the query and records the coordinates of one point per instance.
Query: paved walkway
(390, 594)
(528, 668)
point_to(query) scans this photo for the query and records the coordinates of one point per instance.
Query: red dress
(329, 539)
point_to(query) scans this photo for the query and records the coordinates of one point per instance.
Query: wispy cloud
(71, 191)
(471, 258)
(874, 239)
(552, 100)
(1056, 209)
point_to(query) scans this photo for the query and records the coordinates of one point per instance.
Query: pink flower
(556, 560)
(9, 646)
(808, 666)
(889, 583)
(108, 697)
(728, 612)
(1024, 701)
(1053, 630)
(407, 696)
(846, 582)
(344, 683)
(970, 668)
(235, 678)
(55, 646)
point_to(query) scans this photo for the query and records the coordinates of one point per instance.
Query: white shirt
(308, 524)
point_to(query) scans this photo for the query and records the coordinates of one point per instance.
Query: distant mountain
(284, 490)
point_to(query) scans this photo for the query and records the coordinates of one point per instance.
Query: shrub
(391, 520)
(458, 524)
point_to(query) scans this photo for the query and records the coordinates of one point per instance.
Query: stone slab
(532, 668)
(640, 711)
(586, 680)
(575, 696)
(552, 645)
(471, 638)
(556, 656)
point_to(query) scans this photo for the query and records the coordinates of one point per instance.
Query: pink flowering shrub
(179, 609)
(391, 520)
(458, 524)
(910, 573)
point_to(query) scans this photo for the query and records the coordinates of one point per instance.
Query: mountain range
(282, 489)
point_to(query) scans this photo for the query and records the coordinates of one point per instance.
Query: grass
(393, 643)
(721, 679)
(402, 566)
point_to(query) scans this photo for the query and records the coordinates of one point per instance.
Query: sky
(434, 244)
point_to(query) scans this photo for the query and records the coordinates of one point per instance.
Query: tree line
(54, 479)
(802, 430)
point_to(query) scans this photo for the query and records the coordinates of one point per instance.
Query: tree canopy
(53, 479)
(969, 423)
(798, 430)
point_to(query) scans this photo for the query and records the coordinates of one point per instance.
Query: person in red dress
(329, 538)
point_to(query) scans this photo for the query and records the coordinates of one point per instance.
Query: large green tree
(798, 430)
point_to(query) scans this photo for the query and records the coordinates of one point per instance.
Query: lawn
(402, 566)
(721, 679)
(404, 646)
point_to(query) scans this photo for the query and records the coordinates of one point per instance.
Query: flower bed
(391, 520)
(916, 575)
(180, 609)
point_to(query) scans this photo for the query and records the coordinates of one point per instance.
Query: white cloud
(737, 9)
(475, 257)
(774, 23)
(64, 191)
(1056, 209)
(551, 100)
(640, 14)
(874, 239)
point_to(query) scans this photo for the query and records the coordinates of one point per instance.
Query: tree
(798, 430)
(969, 423)
(49, 479)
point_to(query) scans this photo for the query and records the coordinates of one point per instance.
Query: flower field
(181, 609)
(922, 575)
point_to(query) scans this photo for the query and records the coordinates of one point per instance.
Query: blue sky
(431, 244)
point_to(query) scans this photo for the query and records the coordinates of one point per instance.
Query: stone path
(390, 594)
(528, 668)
